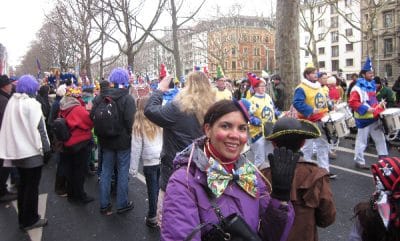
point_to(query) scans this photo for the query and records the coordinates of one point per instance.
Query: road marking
(141, 178)
(37, 233)
(350, 170)
(344, 149)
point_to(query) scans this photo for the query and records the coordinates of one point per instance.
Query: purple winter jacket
(186, 204)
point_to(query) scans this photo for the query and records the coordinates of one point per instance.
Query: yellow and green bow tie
(218, 178)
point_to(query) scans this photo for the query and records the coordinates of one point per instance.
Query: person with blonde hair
(146, 146)
(181, 119)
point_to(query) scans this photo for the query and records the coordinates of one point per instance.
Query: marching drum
(345, 109)
(391, 119)
(335, 124)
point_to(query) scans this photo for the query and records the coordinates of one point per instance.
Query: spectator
(279, 92)
(24, 141)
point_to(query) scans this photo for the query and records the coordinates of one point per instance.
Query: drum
(391, 119)
(345, 109)
(335, 124)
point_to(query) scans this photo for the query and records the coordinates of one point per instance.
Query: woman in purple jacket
(212, 173)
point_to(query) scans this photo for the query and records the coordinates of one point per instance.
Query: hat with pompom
(119, 76)
(254, 80)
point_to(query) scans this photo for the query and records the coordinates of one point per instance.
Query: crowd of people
(221, 161)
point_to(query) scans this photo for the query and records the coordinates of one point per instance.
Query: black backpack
(106, 118)
(61, 130)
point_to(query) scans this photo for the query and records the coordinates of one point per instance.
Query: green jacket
(388, 95)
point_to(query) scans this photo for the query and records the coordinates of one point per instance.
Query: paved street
(71, 222)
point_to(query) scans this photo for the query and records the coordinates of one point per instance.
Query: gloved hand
(283, 163)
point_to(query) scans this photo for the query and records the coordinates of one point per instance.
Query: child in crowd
(146, 146)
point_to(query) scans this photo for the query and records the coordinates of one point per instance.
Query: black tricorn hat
(286, 129)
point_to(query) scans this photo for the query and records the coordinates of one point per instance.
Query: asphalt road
(72, 222)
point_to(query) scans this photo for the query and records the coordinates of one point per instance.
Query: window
(335, 51)
(256, 51)
(388, 19)
(256, 65)
(349, 62)
(321, 50)
(266, 39)
(244, 51)
(349, 32)
(245, 38)
(306, 53)
(226, 65)
(320, 36)
(333, 8)
(335, 36)
(388, 46)
(349, 16)
(348, 3)
(319, 9)
(349, 47)
(321, 23)
(388, 70)
(334, 22)
(233, 64)
(233, 51)
(321, 64)
(366, 17)
(335, 65)
(245, 64)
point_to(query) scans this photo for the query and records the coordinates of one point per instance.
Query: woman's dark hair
(377, 80)
(372, 225)
(219, 109)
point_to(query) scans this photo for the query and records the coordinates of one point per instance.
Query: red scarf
(228, 164)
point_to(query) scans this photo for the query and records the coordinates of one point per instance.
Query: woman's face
(228, 134)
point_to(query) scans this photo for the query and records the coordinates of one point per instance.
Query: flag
(39, 68)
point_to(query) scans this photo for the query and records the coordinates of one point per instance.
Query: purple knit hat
(119, 76)
(27, 84)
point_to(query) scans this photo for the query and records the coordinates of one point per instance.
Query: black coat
(4, 97)
(127, 109)
(179, 131)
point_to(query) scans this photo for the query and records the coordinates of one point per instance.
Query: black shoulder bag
(232, 228)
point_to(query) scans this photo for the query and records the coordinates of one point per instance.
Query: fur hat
(27, 84)
(287, 129)
(119, 76)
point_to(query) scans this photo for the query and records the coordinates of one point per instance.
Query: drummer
(310, 101)
(366, 109)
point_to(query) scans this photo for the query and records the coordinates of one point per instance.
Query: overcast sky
(21, 19)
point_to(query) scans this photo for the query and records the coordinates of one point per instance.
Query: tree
(309, 18)
(125, 19)
(287, 45)
(176, 28)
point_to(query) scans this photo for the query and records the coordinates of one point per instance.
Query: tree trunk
(287, 46)
(178, 63)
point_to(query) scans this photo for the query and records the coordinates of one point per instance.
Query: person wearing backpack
(113, 116)
(76, 150)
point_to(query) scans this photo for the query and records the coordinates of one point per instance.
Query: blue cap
(368, 65)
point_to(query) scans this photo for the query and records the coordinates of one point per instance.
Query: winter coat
(127, 109)
(279, 92)
(23, 133)
(312, 198)
(179, 131)
(77, 119)
(396, 88)
(388, 95)
(147, 150)
(186, 203)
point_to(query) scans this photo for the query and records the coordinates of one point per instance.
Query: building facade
(335, 42)
(239, 44)
(384, 44)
